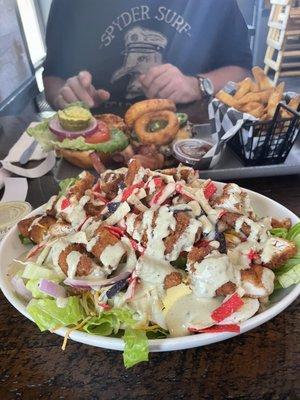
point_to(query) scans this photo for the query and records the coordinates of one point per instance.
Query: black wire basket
(267, 142)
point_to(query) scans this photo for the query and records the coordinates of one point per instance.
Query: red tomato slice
(102, 134)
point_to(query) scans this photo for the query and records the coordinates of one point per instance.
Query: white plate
(11, 248)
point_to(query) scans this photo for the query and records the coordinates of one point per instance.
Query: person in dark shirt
(123, 51)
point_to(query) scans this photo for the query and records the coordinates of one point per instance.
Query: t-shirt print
(143, 50)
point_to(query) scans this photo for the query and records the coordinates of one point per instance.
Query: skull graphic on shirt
(143, 50)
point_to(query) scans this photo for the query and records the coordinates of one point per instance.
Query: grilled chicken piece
(39, 230)
(36, 228)
(25, 224)
(85, 182)
(281, 223)
(229, 219)
(104, 239)
(226, 289)
(276, 252)
(180, 173)
(133, 168)
(197, 254)
(182, 222)
(173, 279)
(60, 228)
(110, 184)
(257, 281)
(85, 263)
(234, 200)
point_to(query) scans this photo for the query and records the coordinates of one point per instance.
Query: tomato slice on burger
(102, 134)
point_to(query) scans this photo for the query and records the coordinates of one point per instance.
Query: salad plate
(11, 248)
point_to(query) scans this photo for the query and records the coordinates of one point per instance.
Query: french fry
(254, 87)
(274, 99)
(249, 106)
(258, 112)
(264, 95)
(249, 98)
(261, 79)
(226, 98)
(280, 88)
(284, 113)
(294, 102)
(258, 97)
(244, 88)
(264, 117)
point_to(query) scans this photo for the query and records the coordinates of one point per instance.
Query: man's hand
(168, 82)
(80, 88)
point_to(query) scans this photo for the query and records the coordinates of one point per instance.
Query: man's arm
(167, 81)
(221, 76)
(60, 92)
(53, 86)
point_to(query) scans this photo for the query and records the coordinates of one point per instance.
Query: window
(32, 29)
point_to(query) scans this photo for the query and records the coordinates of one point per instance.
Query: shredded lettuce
(65, 185)
(25, 240)
(294, 232)
(156, 333)
(290, 277)
(289, 273)
(279, 232)
(35, 271)
(109, 322)
(47, 315)
(136, 347)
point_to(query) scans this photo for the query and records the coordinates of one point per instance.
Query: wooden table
(261, 364)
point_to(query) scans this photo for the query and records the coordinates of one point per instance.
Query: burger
(154, 126)
(82, 139)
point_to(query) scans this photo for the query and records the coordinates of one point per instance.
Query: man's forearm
(53, 85)
(221, 76)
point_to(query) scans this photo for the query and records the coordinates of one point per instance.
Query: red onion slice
(20, 287)
(61, 133)
(100, 282)
(52, 288)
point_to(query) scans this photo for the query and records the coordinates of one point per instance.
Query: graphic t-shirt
(118, 40)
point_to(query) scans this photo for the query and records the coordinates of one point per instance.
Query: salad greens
(279, 232)
(48, 140)
(35, 271)
(47, 315)
(110, 322)
(289, 273)
(117, 142)
(65, 185)
(25, 240)
(136, 347)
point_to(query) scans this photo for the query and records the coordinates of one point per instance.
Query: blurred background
(22, 49)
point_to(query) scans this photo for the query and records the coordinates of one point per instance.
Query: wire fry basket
(266, 142)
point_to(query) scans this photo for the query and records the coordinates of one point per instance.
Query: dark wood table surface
(261, 364)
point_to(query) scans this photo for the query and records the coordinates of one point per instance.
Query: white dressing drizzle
(190, 311)
(73, 259)
(210, 274)
(111, 256)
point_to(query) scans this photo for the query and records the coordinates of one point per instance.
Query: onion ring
(146, 106)
(161, 136)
